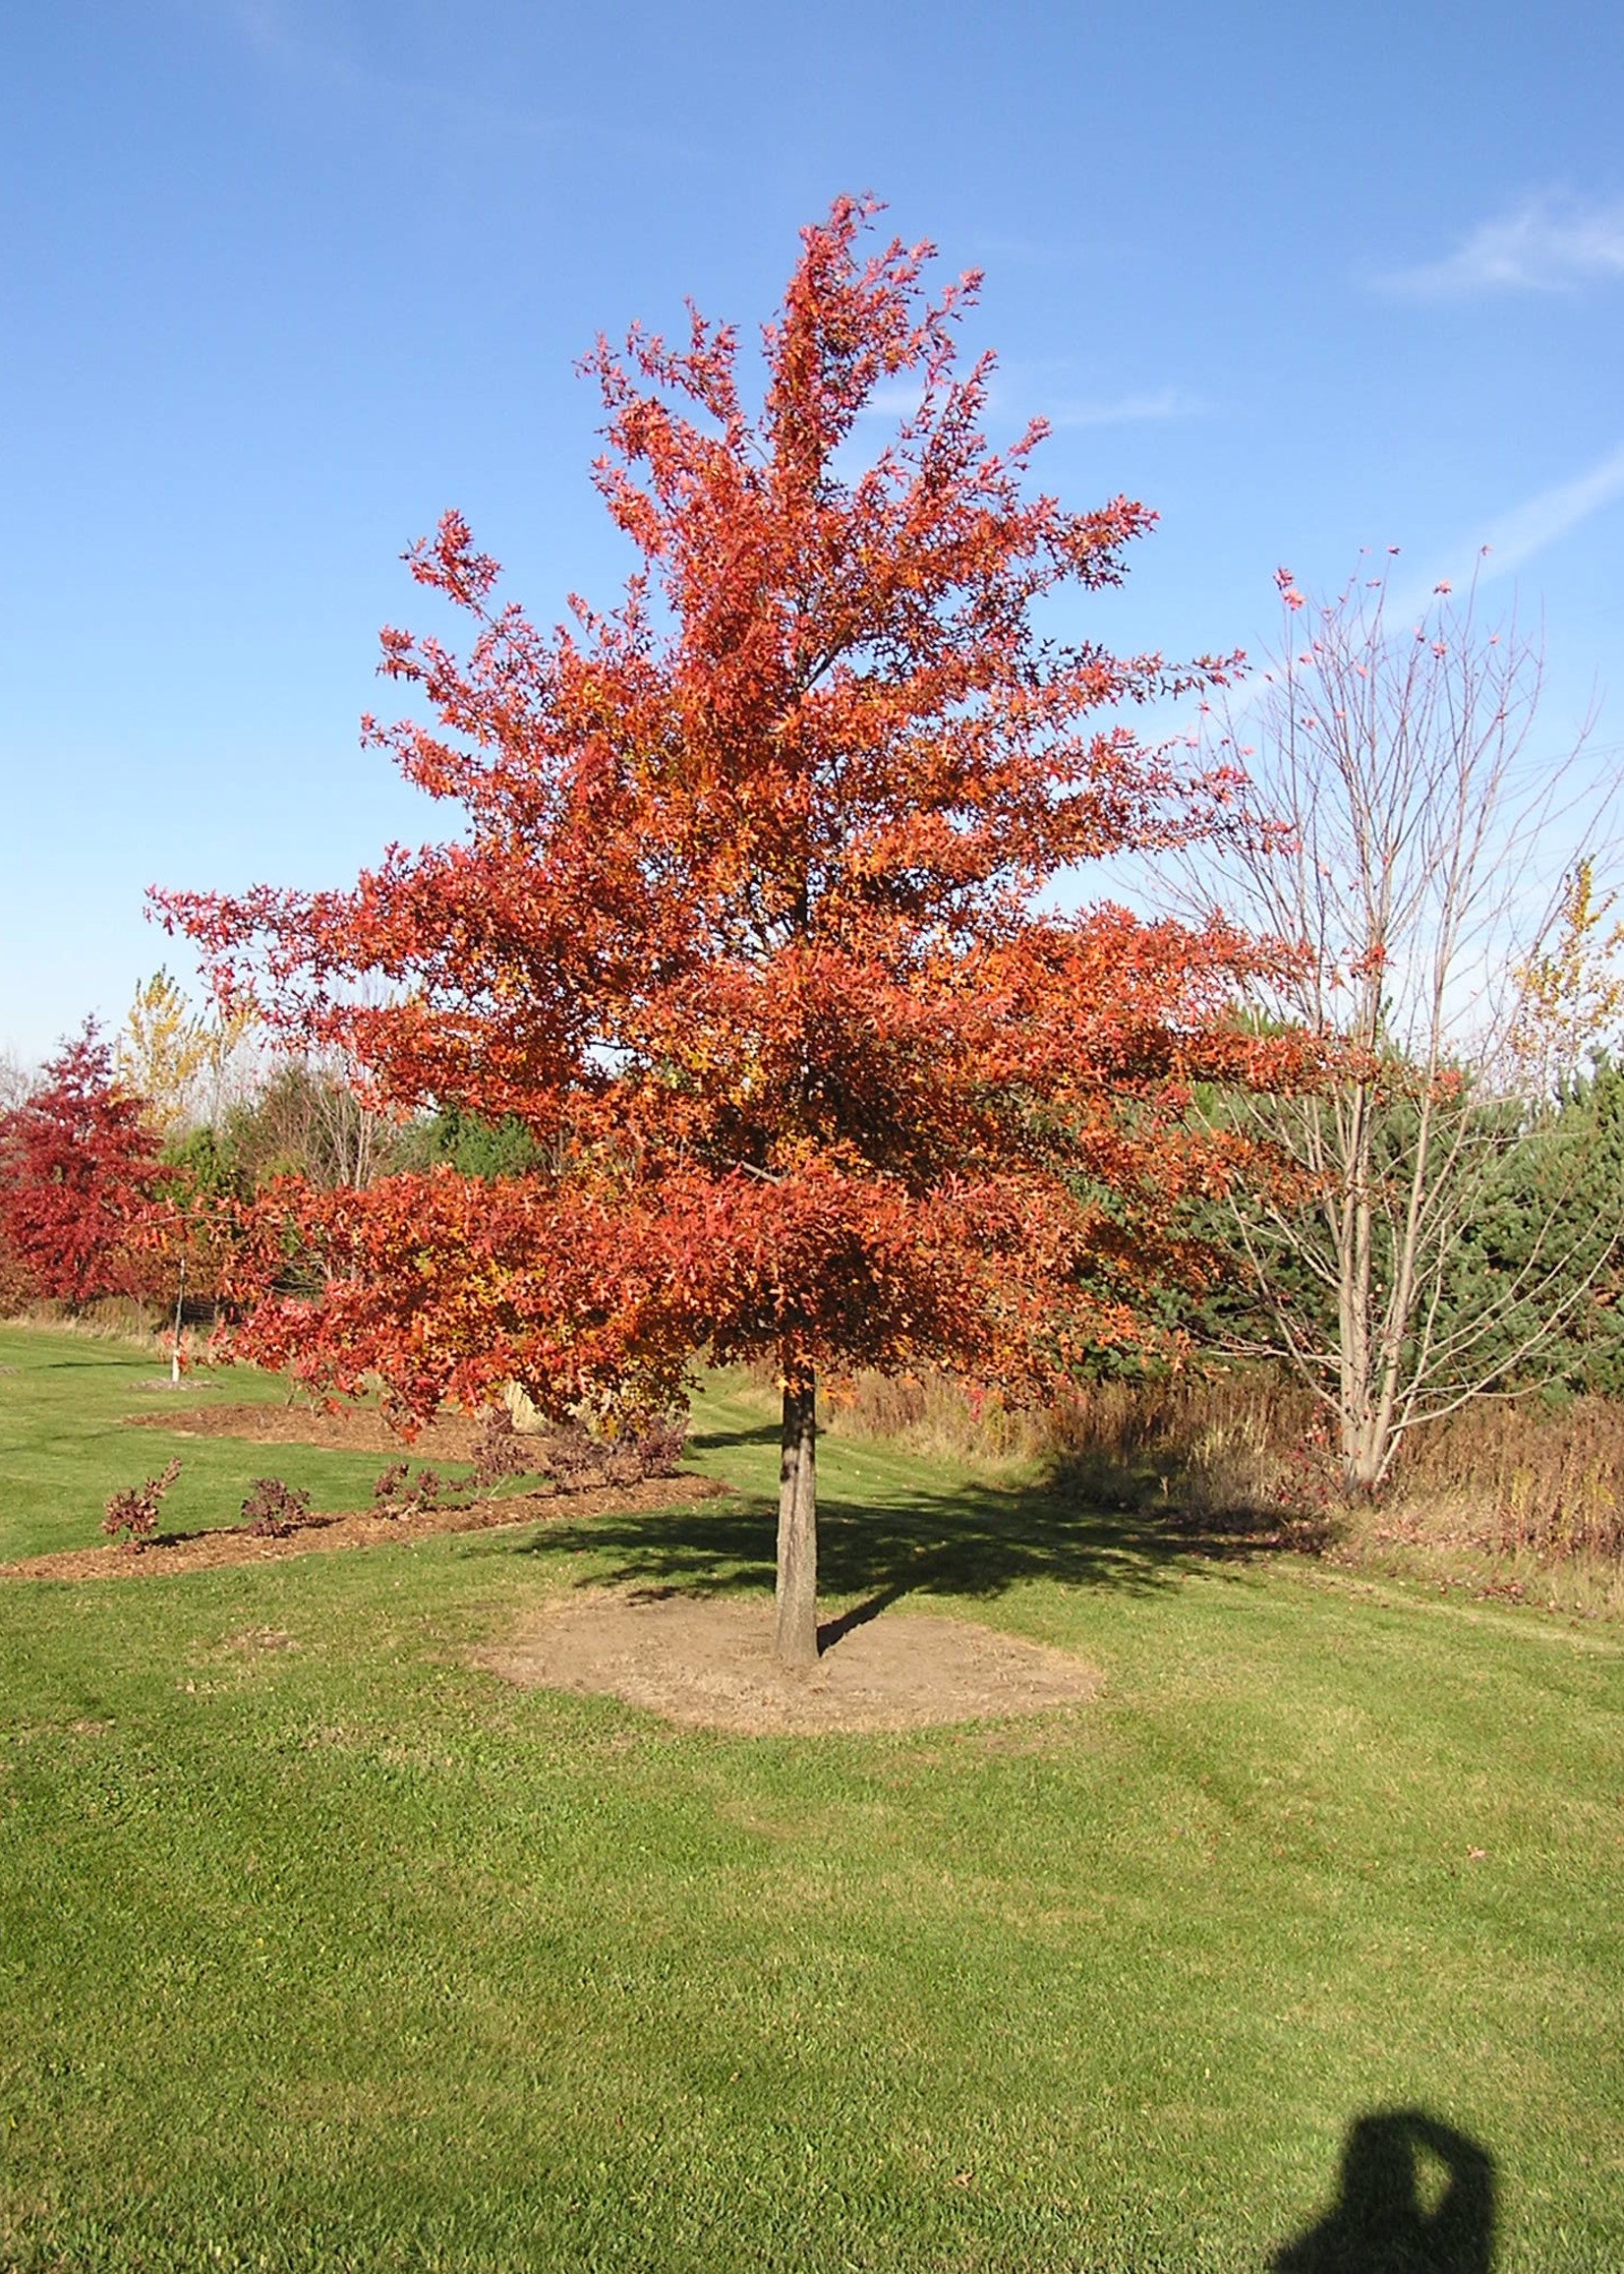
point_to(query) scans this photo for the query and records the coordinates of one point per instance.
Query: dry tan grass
(1528, 1478)
(1517, 1499)
(110, 1318)
(1210, 1446)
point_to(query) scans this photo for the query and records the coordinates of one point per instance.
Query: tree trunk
(795, 1628)
(1365, 1443)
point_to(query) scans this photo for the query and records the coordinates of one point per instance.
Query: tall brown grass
(1503, 1492)
(1209, 1446)
(110, 1318)
(1523, 1478)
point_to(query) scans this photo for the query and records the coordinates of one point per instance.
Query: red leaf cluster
(273, 1508)
(743, 921)
(79, 1166)
(135, 1511)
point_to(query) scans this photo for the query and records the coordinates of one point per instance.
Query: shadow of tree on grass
(970, 1541)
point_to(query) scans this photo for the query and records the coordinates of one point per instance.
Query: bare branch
(1398, 826)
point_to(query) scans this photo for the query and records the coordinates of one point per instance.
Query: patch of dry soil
(354, 1528)
(707, 1665)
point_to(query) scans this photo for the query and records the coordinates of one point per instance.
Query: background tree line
(102, 1185)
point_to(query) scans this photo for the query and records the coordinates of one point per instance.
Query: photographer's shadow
(1383, 2222)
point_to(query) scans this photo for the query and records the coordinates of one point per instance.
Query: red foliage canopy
(78, 1167)
(744, 919)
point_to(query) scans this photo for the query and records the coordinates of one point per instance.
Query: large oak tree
(746, 925)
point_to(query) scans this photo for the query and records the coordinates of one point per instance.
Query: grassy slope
(336, 1952)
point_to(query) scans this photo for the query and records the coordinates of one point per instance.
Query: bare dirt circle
(707, 1664)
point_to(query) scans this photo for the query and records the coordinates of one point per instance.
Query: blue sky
(282, 279)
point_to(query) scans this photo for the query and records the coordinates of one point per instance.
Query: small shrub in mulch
(659, 1444)
(389, 1488)
(397, 1492)
(273, 1509)
(135, 1511)
(212, 1550)
(500, 1452)
(576, 1459)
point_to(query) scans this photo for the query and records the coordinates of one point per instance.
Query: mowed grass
(320, 1948)
(64, 1445)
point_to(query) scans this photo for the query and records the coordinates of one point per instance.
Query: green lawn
(321, 1948)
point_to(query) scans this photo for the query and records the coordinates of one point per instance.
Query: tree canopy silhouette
(745, 925)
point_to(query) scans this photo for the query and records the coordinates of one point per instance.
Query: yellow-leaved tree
(177, 1061)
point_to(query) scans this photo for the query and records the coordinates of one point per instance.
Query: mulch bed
(348, 1429)
(234, 1544)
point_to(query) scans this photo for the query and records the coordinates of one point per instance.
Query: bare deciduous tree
(310, 1116)
(16, 1081)
(1401, 835)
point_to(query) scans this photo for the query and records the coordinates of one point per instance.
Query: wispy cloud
(893, 401)
(282, 40)
(1513, 540)
(1001, 249)
(291, 39)
(269, 30)
(1516, 536)
(1540, 521)
(1547, 243)
(1123, 409)
(1013, 396)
